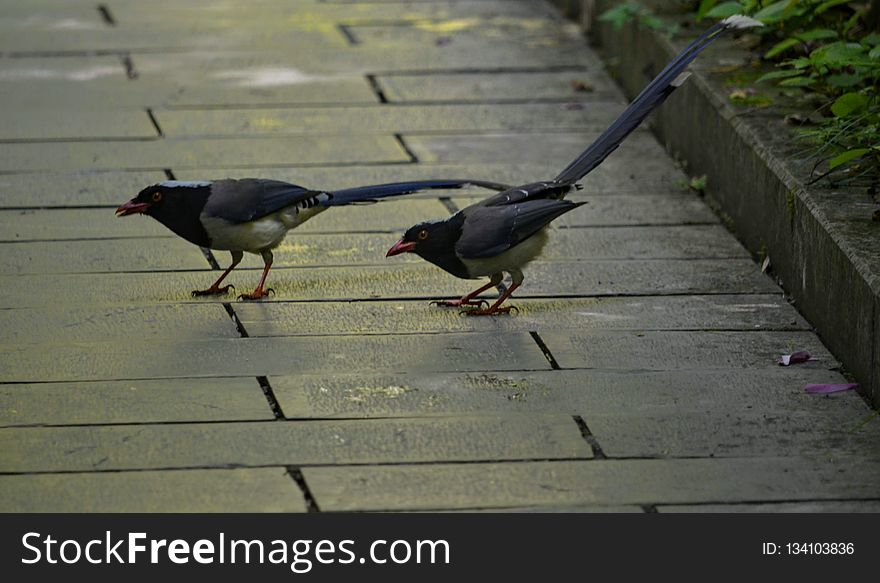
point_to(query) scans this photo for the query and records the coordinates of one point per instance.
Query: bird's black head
(434, 241)
(175, 204)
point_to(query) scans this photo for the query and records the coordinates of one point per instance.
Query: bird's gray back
(251, 198)
(490, 230)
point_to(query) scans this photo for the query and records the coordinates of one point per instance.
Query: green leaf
(838, 54)
(875, 53)
(781, 47)
(777, 75)
(849, 103)
(796, 82)
(725, 9)
(699, 183)
(817, 34)
(648, 20)
(844, 80)
(828, 5)
(847, 156)
(872, 39)
(772, 13)
(705, 6)
(619, 15)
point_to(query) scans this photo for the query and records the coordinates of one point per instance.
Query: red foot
(459, 303)
(212, 291)
(490, 311)
(257, 294)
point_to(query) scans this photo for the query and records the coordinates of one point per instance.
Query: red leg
(215, 288)
(467, 300)
(258, 293)
(494, 308)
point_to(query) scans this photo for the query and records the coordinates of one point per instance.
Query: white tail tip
(740, 21)
(679, 81)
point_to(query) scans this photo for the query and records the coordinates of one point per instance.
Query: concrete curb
(824, 248)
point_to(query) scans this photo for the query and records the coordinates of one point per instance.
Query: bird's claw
(458, 303)
(257, 294)
(490, 311)
(212, 291)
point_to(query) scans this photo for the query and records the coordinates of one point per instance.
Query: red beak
(401, 247)
(132, 207)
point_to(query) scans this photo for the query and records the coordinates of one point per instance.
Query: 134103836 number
(817, 548)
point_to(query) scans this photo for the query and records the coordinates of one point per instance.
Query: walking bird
(253, 214)
(506, 231)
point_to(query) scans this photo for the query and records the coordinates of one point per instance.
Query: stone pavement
(639, 374)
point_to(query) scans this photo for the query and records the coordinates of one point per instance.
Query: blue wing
(491, 230)
(249, 199)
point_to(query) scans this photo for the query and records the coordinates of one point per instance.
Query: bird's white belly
(513, 259)
(254, 236)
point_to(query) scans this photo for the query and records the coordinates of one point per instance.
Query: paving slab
(229, 77)
(124, 447)
(158, 154)
(41, 125)
(239, 490)
(400, 280)
(382, 119)
(670, 350)
(598, 482)
(53, 86)
(310, 14)
(570, 86)
(735, 434)
(833, 506)
(330, 48)
(157, 322)
(59, 15)
(573, 508)
(644, 321)
(174, 79)
(262, 85)
(218, 357)
(494, 32)
(32, 96)
(78, 189)
(691, 312)
(586, 393)
(557, 149)
(66, 224)
(137, 39)
(140, 401)
(100, 256)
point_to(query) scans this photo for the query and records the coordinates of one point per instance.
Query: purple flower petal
(826, 388)
(795, 358)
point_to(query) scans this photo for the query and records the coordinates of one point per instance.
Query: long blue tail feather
(649, 99)
(378, 191)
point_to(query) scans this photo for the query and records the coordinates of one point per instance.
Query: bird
(506, 231)
(253, 214)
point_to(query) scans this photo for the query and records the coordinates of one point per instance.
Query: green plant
(826, 58)
(824, 50)
(632, 11)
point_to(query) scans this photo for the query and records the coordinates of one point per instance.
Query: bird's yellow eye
(157, 196)
(423, 234)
